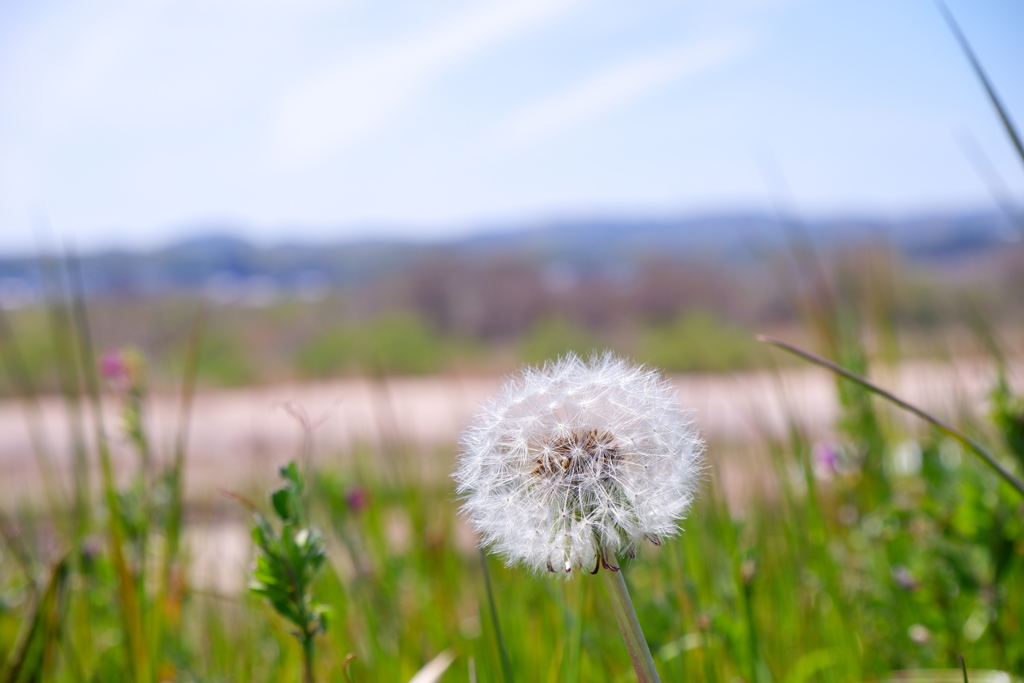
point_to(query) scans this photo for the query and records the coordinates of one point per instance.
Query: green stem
(751, 631)
(643, 663)
(506, 663)
(307, 657)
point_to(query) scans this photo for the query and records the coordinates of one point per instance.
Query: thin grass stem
(947, 429)
(17, 369)
(1004, 117)
(127, 585)
(177, 474)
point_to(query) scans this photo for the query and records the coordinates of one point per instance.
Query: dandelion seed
(573, 464)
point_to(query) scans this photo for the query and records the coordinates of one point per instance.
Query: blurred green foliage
(882, 549)
(820, 578)
(1008, 416)
(33, 343)
(698, 341)
(397, 343)
(555, 336)
(226, 361)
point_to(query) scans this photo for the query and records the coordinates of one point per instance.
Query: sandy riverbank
(237, 436)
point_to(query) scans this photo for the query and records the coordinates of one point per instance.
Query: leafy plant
(287, 562)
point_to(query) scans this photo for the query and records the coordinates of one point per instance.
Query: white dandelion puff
(573, 464)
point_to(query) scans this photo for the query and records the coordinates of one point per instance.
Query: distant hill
(737, 236)
(217, 261)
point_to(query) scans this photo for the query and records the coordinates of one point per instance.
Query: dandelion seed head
(573, 464)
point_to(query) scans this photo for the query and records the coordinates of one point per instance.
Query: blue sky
(133, 122)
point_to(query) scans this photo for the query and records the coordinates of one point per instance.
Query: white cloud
(616, 87)
(359, 96)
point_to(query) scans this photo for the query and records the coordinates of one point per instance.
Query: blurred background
(416, 187)
(445, 190)
(361, 190)
(235, 233)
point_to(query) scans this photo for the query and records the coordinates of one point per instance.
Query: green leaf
(290, 473)
(283, 504)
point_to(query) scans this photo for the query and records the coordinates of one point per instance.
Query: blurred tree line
(457, 311)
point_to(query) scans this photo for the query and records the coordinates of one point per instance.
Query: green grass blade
(188, 388)
(980, 72)
(126, 584)
(165, 623)
(943, 427)
(34, 657)
(14, 364)
(15, 546)
(988, 175)
(69, 377)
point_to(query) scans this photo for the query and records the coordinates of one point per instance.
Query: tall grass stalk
(64, 339)
(14, 364)
(176, 476)
(128, 587)
(170, 596)
(34, 658)
(997, 104)
(942, 426)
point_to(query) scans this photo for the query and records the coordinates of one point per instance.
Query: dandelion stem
(639, 652)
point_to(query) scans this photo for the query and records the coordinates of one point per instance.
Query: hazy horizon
(48, 238)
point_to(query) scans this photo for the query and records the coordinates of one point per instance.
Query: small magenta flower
(112, 365)
(826, 460)
(357, 499)
(573, 464)
(123, 367)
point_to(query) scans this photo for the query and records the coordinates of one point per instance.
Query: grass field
(883, 549)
